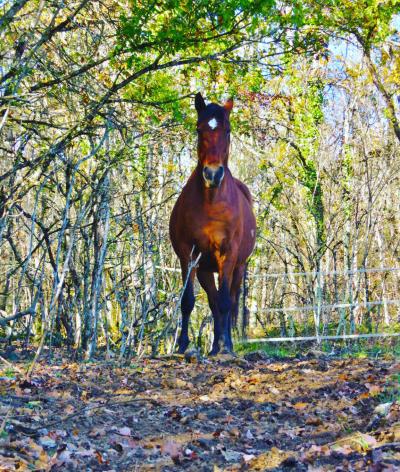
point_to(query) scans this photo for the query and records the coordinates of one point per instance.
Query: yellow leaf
(300, 406)
(374, 389)
(268, 460)
(123, 391)
(363, 396)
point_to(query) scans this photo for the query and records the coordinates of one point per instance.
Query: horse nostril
(208, 173)
(218, 176)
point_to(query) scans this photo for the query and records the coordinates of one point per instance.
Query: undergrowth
(353, 348)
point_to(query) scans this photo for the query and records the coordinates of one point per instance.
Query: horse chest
(214, 234)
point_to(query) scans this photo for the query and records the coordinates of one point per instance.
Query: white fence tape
(361, 270)
(322, 338)
(321, 307)
(326, 307)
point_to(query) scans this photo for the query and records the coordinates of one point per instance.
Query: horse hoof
(192, 356)
(213, 352)
(227, 352)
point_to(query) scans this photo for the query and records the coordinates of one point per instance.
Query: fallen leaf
(300, 406)
(69, 409)
(231, 456)
(358, 442)
(204, 398)
(47, 441)
(249, 435)
(269, 460)
(125, 431)
(383, 409)
(173, 449)
(374, 389)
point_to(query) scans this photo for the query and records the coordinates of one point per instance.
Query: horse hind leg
(235, 291)
(230, 276)
(236, 287)
(187, 305)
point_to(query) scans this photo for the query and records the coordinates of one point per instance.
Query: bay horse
(213, 216)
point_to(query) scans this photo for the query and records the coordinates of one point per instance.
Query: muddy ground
(171, 414)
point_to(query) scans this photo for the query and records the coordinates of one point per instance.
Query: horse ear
(199, 102)
(229, 105)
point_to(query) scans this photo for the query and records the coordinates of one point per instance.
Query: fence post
(317, 309)
(245, 311)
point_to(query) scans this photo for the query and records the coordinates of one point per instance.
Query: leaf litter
(168, 414)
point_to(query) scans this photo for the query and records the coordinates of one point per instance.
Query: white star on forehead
(213, 123)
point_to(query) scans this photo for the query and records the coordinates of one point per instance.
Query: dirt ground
(171, 414)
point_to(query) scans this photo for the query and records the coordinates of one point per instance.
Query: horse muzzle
(213, 176)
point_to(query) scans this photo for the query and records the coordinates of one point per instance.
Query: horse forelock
(213, 111)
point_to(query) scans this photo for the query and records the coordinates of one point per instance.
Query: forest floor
(312, 413)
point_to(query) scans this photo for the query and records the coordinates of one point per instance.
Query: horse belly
(248, 239)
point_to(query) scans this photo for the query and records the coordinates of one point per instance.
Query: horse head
(213, 129)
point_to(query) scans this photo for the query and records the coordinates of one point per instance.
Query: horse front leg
(187, 305)
(206, 280)
(225, 306)
(225, 303)
(237, 280)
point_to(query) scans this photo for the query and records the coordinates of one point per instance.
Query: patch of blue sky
(396, 23)
(345, 54)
